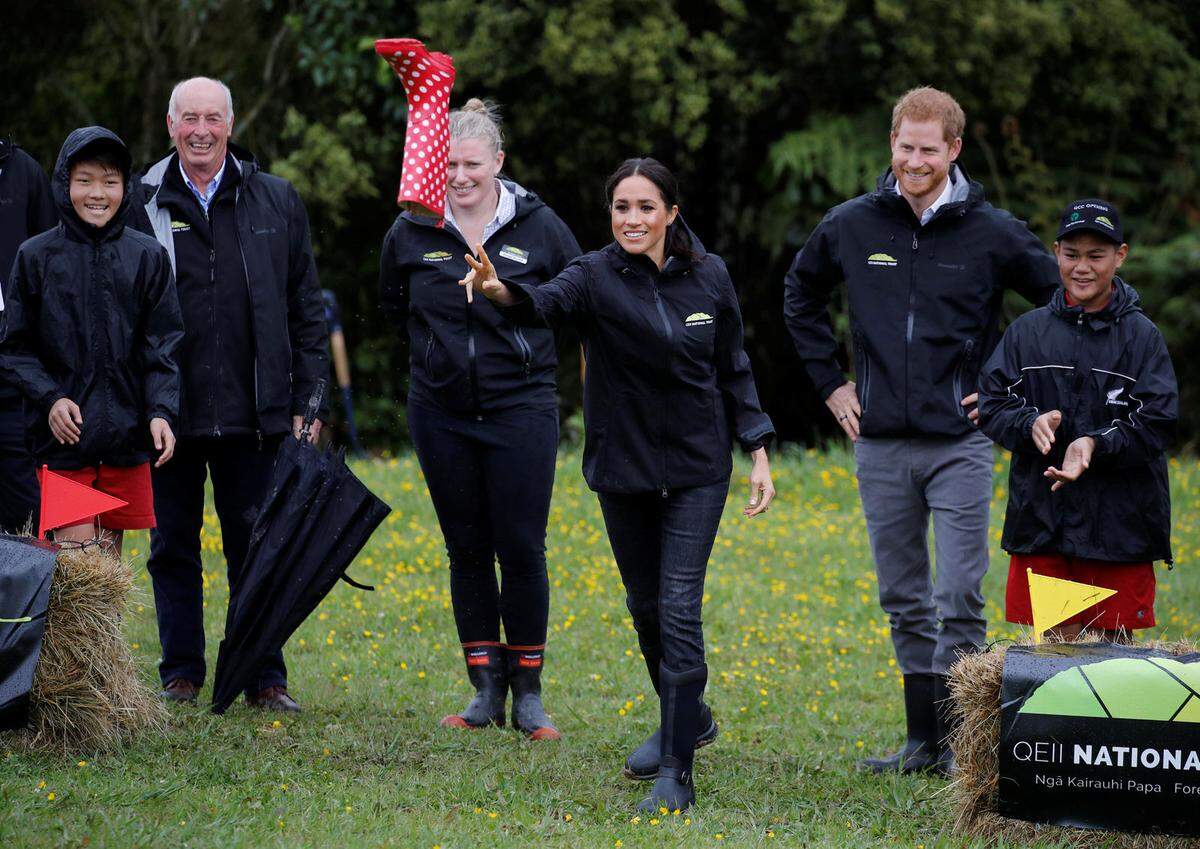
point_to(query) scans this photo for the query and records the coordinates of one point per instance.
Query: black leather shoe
(274, 698)
(180, 690)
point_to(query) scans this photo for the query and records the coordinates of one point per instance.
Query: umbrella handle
(314, 407)
(356, 584)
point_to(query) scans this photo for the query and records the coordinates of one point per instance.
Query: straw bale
(975, 685)
(87, 695)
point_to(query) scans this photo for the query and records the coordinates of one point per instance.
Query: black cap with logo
(1093, 215)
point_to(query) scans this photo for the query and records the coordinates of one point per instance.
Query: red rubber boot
(427, 79)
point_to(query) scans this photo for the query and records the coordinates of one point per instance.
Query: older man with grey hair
(254, 347)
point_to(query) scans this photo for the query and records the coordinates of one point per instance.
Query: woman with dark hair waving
(483, 414)
(668, 387)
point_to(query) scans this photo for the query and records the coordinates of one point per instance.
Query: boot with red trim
(525, 678)
(486, 670)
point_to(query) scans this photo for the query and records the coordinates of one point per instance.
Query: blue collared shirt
(205, 198)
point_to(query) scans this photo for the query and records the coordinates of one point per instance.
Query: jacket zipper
(959, 370)
(908, 325)
(866, 378)
(526, 352)
(666, 323)
(237, 195)
(428, 350)
(214, 387)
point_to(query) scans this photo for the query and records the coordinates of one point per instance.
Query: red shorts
(128, 483)
(1131, 608)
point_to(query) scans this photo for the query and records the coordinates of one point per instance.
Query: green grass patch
(802, 683)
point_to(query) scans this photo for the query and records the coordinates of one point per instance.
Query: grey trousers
(901, 482)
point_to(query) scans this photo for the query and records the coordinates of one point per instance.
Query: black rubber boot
(642, 763)
(948, 720)
(920, 752)
(525, 679)
(486, 670)
(679, 704)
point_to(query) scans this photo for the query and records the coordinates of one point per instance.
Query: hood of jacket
(525, 201)
(1123, 302)
(963, 189)
(73, 148)
(674, 263)
(152, 177)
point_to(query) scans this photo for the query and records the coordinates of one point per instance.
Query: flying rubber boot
(948, 720)
(525, 678)
(485, 669)
(920, 751)
(679, 703)
(427, 79)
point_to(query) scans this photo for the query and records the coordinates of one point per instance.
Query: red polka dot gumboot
(427, 79)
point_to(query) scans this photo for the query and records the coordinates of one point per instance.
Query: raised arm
(566, 299)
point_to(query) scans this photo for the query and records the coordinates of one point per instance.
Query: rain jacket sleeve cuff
(757, 437)
(826, 377)
(523, 311)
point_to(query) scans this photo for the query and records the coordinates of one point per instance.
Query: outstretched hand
(1044, 427)
(482, 279)
(1075, 462)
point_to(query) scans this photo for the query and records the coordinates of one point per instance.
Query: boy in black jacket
(1083, 393)
(88, 335)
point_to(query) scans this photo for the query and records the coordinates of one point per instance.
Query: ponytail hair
(678, 242)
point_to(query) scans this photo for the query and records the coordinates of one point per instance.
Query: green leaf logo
(881, 259)
(1153, 688)
(1103, 219)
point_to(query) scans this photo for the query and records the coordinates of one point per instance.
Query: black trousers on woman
(662, 547)
(490, 479)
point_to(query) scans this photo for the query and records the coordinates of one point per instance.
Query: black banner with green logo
(1097, 735)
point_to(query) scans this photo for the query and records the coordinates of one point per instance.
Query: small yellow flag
(1054, 600)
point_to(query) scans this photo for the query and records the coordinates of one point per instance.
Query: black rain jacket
(924, 301)
(1109, 374)
(467, 358)
(26, 209)
(91, 314)
(668, 382)
(291, 344)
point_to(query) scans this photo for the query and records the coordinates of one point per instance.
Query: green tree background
(769, 111)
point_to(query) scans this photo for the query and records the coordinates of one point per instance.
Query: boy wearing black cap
(88, 335)
(1083, 393)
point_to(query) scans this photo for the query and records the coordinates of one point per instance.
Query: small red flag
(65, 502)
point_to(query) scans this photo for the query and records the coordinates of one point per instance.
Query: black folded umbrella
(26, 567)
(316, 517)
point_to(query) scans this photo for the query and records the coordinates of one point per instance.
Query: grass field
(802, 683)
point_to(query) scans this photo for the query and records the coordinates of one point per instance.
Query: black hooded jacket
(467, 358)
(91, 314)
(272, 258)
(1110, 376)
(924, 301)
(26, 209)
(668, 382)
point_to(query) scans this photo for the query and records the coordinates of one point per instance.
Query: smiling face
(471, 175)
(921, 160)
(1087, 263)
(640, 217)
(96, 192)
(202, 128)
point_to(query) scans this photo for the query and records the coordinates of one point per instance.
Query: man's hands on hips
(298, 425)
(843, 403)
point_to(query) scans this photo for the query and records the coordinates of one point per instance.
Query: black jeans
(241, 474)
(490, 480)
(19, 492)
(662, 547)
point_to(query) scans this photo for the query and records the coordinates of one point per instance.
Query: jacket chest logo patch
(697, 319)
(1114, 397)
(437, 256)
(515, 254)
(886, 260)
(180, 226)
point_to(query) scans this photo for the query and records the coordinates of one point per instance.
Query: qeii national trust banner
(1101, 736)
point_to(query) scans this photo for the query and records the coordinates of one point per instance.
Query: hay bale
(975, 685)
(87, 694)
